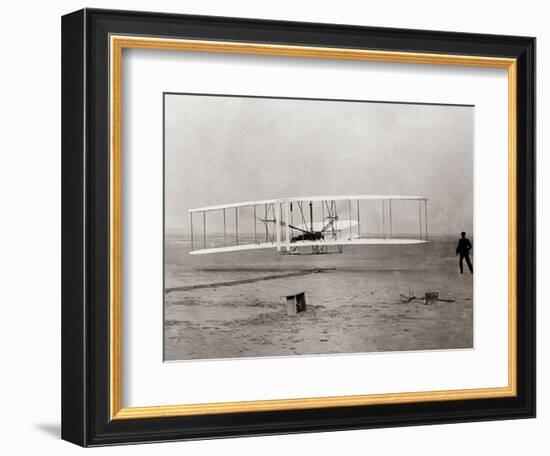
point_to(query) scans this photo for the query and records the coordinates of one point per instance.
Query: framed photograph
(277, 227)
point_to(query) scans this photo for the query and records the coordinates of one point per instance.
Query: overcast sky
(230, 149)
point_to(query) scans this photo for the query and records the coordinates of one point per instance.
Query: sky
(228, 149)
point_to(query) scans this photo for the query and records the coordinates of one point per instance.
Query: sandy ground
(352, 306)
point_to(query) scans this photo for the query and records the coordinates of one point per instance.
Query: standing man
(463, 249)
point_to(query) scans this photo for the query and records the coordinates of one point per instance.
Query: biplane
(294, 226)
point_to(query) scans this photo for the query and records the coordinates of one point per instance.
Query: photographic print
(315, 226)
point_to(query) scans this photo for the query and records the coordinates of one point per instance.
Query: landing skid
(315, 250)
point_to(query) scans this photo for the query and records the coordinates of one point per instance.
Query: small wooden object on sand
(295, 303)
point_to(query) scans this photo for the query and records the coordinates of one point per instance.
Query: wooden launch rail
(252, 280)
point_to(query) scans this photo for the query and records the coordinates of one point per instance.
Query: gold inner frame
(117, 44)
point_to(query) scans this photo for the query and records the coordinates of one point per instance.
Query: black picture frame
(85, 228)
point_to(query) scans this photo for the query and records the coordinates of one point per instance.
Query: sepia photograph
(316, 226)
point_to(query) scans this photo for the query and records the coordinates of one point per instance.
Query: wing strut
(426, 216)
(204, 229)
(358, 221)
(391, 228)
(420, 218)
(224, 230)
(384, 219)
(192, 248)
(350, 232)
(278, 225)
(237, 225)
(255, 223)
(287, 227)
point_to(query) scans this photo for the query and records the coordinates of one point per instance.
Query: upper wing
(234, 205)
(308, 199)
